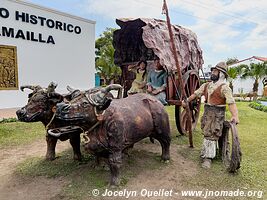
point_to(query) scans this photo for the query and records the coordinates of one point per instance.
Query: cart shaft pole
(180, 79)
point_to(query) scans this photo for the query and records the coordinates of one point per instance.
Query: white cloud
(257, 38)
(234, 23)
(227, 27)
(125, 8)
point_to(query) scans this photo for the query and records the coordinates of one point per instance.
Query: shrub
(263, 99)
(258, 106)
(7, 120)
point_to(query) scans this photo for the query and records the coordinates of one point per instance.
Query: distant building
(245, 85)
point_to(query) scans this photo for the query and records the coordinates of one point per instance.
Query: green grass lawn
(252, 132)
(252, 175)
(20, 133)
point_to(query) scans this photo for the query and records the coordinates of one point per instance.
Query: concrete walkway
(8, 113)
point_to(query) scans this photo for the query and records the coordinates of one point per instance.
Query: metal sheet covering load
(143, 38)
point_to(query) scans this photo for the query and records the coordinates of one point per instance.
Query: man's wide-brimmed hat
(221, 66)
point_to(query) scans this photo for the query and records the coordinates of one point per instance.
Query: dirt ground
(168, 178)
(8, 113)
(14, 187)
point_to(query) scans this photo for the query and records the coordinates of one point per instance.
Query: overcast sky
(225, 28)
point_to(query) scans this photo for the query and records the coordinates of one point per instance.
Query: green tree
(265, 69)
(255, 71)
(233, 72)
(230, 61)
(105, 66)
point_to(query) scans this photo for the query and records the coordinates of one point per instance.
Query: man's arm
(148, 84)
(130, 67)
(233, 110)
(228, 94)
(197, 94)
(192, 97)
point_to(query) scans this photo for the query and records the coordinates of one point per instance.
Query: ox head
(40, 103)
(83, 109)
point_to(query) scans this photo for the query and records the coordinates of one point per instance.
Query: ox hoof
(77, 157)
(105, 168)
(165, 161)
(114, 182)
(50, 158)
(114, 185)
(94, 165)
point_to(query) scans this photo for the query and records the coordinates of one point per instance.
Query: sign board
(40, 45)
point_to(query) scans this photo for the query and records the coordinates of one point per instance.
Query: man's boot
(206, 163)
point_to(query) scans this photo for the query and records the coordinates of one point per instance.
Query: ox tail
(152, 140)
(161, 126)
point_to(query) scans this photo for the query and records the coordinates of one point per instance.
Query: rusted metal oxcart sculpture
(145, 39)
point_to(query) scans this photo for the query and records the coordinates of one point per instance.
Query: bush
(7, 120)
(258, 106)
(263, 99)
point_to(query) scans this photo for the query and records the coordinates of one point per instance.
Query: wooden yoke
(180, 79)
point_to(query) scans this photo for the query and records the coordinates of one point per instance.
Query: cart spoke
(191, 84)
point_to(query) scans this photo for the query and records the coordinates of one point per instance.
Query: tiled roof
(255, 57)
(260, 58)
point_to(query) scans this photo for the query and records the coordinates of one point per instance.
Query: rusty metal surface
(230, 147)
(121, 124)
(236, 154)
(144, 38)
(40, 107)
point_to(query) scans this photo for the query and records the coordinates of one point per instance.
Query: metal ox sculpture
(41, 107)
(114, 125)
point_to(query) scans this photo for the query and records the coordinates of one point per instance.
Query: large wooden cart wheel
(229, 147)
(192, 83)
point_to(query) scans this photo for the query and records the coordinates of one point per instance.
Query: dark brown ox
(40, 107)
(118, 124)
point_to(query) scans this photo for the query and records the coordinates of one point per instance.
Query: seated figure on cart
(139, 83)
(156, 82)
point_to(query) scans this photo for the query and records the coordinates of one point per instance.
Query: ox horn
(55, 97)
(99, 98)
(51, 87)
(70, 89)
(35, 88)
(73, 93)
(111, 87)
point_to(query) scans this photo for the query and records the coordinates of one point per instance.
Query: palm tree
(265, 69)
(256, 72)
(233, 72)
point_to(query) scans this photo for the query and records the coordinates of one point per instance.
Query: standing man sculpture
(217, 94)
